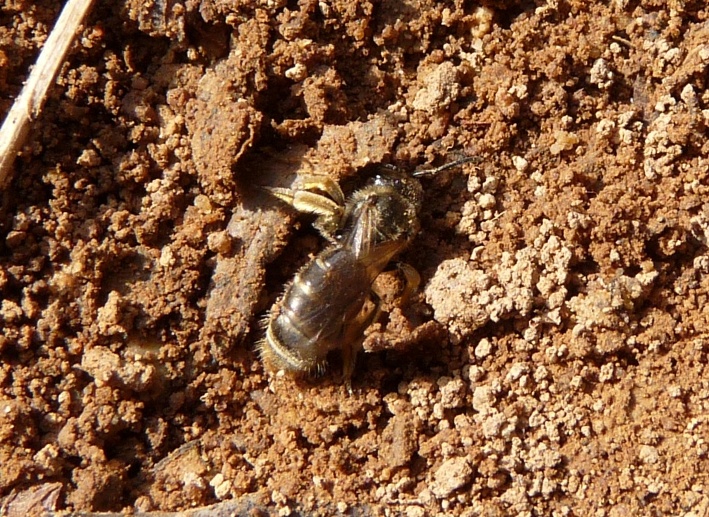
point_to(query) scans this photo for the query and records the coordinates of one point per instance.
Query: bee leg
(328, 207)
(323, 184)
(307, 202)
(412, 279)
(353, 337)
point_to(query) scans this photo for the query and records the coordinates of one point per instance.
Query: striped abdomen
(311, 319)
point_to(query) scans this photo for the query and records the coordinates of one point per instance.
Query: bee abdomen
(310, 317)
(278, 351)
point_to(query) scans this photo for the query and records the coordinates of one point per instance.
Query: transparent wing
(365, 239)
(361, 236)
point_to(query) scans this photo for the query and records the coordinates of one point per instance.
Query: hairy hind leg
(353, 332)
(353, 336)
(329, 206)
(412, 280)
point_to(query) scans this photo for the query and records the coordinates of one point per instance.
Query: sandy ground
(554, 362)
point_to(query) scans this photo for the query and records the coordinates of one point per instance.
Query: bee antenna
(445, 166)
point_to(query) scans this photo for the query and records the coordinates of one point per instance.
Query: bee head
(403, 184)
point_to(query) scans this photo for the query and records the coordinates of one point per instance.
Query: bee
(330, 302)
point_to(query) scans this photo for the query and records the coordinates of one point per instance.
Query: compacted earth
(554, 360)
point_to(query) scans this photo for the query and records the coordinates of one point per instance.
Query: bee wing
(361, 237)
(372, 249)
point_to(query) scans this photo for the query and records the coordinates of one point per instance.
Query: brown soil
(555, 360)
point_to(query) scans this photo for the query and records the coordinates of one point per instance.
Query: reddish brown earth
(555, 360)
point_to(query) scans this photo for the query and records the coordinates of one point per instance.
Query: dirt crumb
(453, 474)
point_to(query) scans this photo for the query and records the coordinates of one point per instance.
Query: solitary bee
(330, 301)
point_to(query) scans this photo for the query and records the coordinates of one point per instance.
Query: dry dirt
(555, 361)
